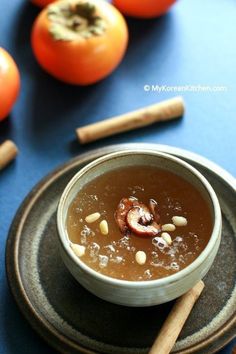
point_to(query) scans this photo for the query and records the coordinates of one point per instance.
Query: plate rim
(46, 330)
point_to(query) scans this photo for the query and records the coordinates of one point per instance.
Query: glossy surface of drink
(115, 254)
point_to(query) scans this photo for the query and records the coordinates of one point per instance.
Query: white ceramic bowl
(138, 293)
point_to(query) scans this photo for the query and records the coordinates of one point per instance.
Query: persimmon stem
(73, 20)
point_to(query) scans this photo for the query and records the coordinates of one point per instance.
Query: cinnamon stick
(163, 111)
(8, 151)
(175, 321)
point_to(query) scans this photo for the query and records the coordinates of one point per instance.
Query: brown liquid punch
(114, 254)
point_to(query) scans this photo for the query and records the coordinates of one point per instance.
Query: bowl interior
(121, 159)
(126, 159)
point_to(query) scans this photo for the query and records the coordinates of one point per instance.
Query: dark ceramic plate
(74, 321)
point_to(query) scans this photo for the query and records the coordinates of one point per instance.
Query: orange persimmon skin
(42, 3)
(83, 61)
(143, 8)
(9, 83)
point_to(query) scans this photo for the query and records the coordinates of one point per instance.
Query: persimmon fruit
(9, 83)
(42, 3)
(79, 42)
(143, 8)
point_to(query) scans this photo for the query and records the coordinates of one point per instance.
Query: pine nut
(92, 217)
(166, 237)
(140, 257)
(179, 221)
(78, 250)
(104, 227)
(168, 227)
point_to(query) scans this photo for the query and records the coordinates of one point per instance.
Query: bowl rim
(216, 230)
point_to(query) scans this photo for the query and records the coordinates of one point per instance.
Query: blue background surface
(193, 44)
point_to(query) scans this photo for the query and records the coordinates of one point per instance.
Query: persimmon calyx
(71, 21)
